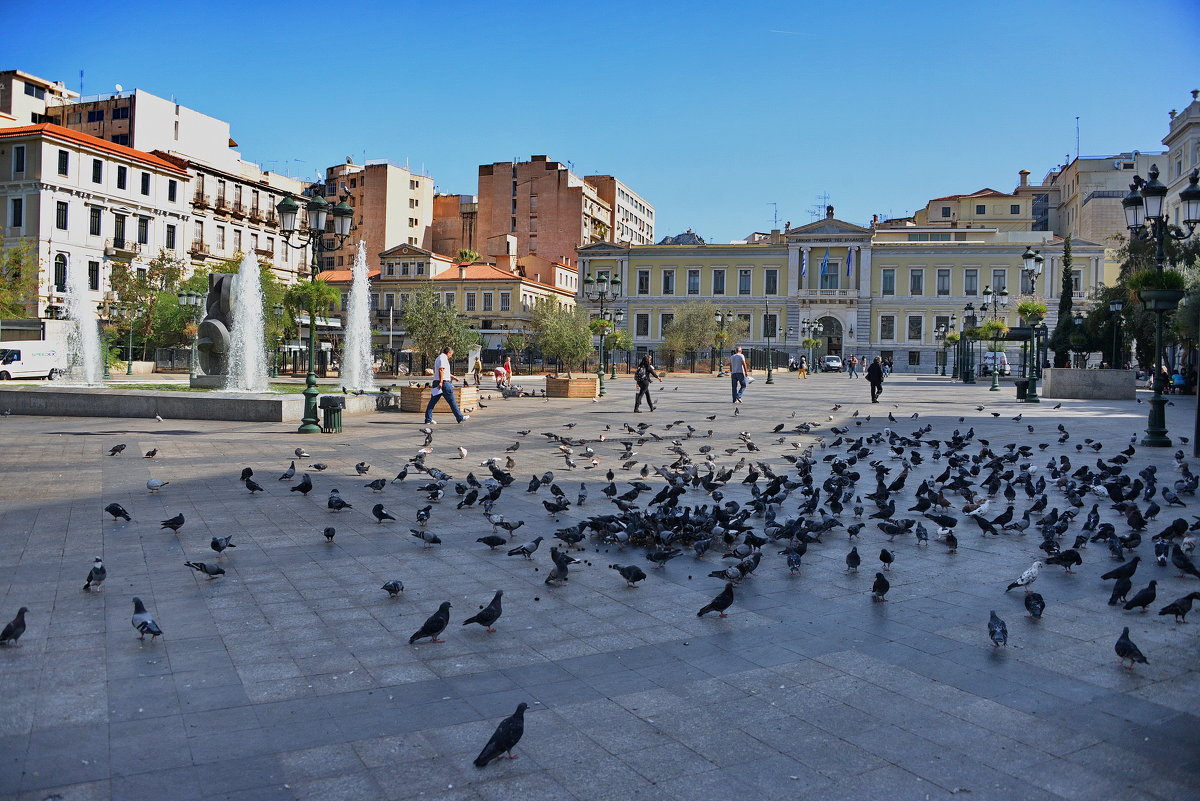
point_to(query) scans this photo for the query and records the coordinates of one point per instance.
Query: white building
(86, 203)
(24, 98)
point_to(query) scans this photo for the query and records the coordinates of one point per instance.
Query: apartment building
(24, 98)
(632, 216)
(88, 203)
(455, 222)
(1183, 154)
(392, 206)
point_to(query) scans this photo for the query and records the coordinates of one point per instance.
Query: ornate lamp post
(1115, 307)
(129, 315)
(601, 290)
(1079, 351)
(277, 309)
(192, 301)
(770, 354)
(313, 234)
(967, 347)
(619, 320)
(939, 336)
(1147, 221)
(1032, 263)
(996, 302)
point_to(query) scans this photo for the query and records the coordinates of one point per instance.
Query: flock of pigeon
(845, 484)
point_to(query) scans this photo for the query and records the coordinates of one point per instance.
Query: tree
(517, 342)
(693, 326)
(467, 256)
(18, 279)
(561, 332)
(433, 326)
(142, 288)
(1060, 340)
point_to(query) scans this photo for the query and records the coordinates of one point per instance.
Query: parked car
(996, 361)
(831, 364)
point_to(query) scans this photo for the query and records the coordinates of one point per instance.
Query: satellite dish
(119, 88)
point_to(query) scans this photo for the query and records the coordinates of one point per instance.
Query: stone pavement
(291, 676)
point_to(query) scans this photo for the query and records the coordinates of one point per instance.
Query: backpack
(641, 376)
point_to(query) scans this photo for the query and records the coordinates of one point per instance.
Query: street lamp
(1032, 263)
(313, 234)
(966, 347)
(996, 302)
(192, 301)
(278, 310)
(601, 290)
(768, 332)
(1115, 307)
(619, 319)
(939, 335)
(1147, 221)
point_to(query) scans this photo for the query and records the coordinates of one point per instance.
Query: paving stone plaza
(292, 677)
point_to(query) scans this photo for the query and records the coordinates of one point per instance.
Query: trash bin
(331, 413)
(1022, 385)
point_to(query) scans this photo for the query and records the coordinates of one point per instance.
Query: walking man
(802, 368)
(443, 387)
(852, 366)
(645, 371)
(738, 370)
(875, 378)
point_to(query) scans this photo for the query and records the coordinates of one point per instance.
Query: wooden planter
(578, 387)
(415, 399)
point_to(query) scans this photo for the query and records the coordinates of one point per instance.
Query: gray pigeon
(381, 513)
(434, 626)
(719, 604)
(219, 544)
(631, 573)
(377, 485)
(95, 576)
(1127, 650)
(175, 523)
(143, 622)
(212, 571)
(427, 537)
(14, 629)
(505, 738)
(997, 630)
(329, 531)
(301, 453)
(487, 616)
(291, 471)
(362, 468)
(527, 549)
(253, 486)
(304, 487)
(394, 588)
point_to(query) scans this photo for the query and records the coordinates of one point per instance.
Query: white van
(991, 360)
(32, 359)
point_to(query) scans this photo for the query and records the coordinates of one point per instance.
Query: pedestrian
(478, 370)
(875, 378)
(738, 370)
(443, 386)
(802, 368)
(508, 370)
(645, 371)
(887, 367)
(852, 366)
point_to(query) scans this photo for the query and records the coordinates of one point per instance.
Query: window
(94, 276)
(643, 282)
(389, 300)
(254, 242)
(664, 322)
(121, 113)
(916, 328)
(413, 184)
(122, 177)
(888, 281)
(945, 211)
(942, 321)
(943, 281)
(505, 301)
(999, 280)
(971, 283)
(693, 282)
(419, 267)
(412, 202)
(119, 230)
(449, 300)
(143, 230)
(469, 298)
(145, 183)
(271, 246)
(980, 208)
(16, 213)
(170, 237)
(237, 242)
(718, 281)
(887, 327)
(35, 91)
(1076, 282)
(18, 158)
(770, 323)
(95, 115)
(64, 161)
(487, 301)
(198, 235)
(916, 281)
(60, 216)
(743, 282)
(97, 171)
(641, 325)
(220, 237)
(668, 282)
(121, 139)
(60, 272)
(1015, 208)
(771, 282)
(914, 358)
(930, 237)
(829, 277)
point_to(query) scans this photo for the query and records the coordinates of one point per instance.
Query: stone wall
(1088, 384)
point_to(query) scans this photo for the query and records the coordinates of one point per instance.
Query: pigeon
(853, 560)
(253, 486)
(301, 453)
(143, 622)
(1121, 588)
(631, 573)
(887, 557)
(362, 468)
(154, 484)
(1123, 571)
(14, 629)
(116, 450)
(427, 537)
(487, 616)
(381, 513)
(117, 511)
(304, 487)
(335, 503)
(1180, 607)
(329, 531)
(1183, 563)
(1035, 604)
(289, 473)
(1027, 578)
(212, 571)
(660, 558)
(319, 466)
(247, 472)
(219, 544)
(434, 626)
(1066, 559)
(95, 576)
(719, 604)
(879, 589)
(150, 454)
(997, 630)
(394, 588)
(527, 549)
(492, 541)
(505, 738)
(1127, 650)
(175, 523)
(1143, 597)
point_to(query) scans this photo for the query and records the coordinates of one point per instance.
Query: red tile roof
(345, 276)
(94, 142)
(985, 192)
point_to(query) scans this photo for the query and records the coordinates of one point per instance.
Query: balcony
(266, 253)
(270, 217)
(222, 204)
(238, 208)
(200, 200)
(829, 296)
(121, 247)
(199, 249)
(257, 214)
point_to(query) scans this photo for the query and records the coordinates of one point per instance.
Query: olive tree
(561, 332)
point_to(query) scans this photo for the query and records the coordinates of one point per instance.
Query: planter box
(1065, 382)
(578, 387)
(416, 398)
(1160, 300)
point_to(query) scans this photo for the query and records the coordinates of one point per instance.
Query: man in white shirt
(738, 370)
(443, 386)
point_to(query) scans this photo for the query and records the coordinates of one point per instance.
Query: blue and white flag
(849, 260)
(803, 263)
(825, 262)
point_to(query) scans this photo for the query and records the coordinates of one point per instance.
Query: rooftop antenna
(1076, 137)
(818, 211)
(81, 83)
(775, 214)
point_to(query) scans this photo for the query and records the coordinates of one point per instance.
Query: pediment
(828, 227)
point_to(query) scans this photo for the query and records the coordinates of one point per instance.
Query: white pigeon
(1027, 578)
(154, 484)
(462, 452)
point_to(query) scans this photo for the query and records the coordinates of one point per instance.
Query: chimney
(874, 220)
(462, 272)
(776, 236)
(1024, 177)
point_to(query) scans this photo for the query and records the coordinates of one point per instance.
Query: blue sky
(712, 113)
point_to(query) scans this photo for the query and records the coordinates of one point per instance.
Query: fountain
(247, 368)
(83, 339)
(356, 358)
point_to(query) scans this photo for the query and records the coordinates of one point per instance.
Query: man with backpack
(641, 377)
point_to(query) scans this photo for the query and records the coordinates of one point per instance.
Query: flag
(825, 262)
(803, 263)
(849, 260)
